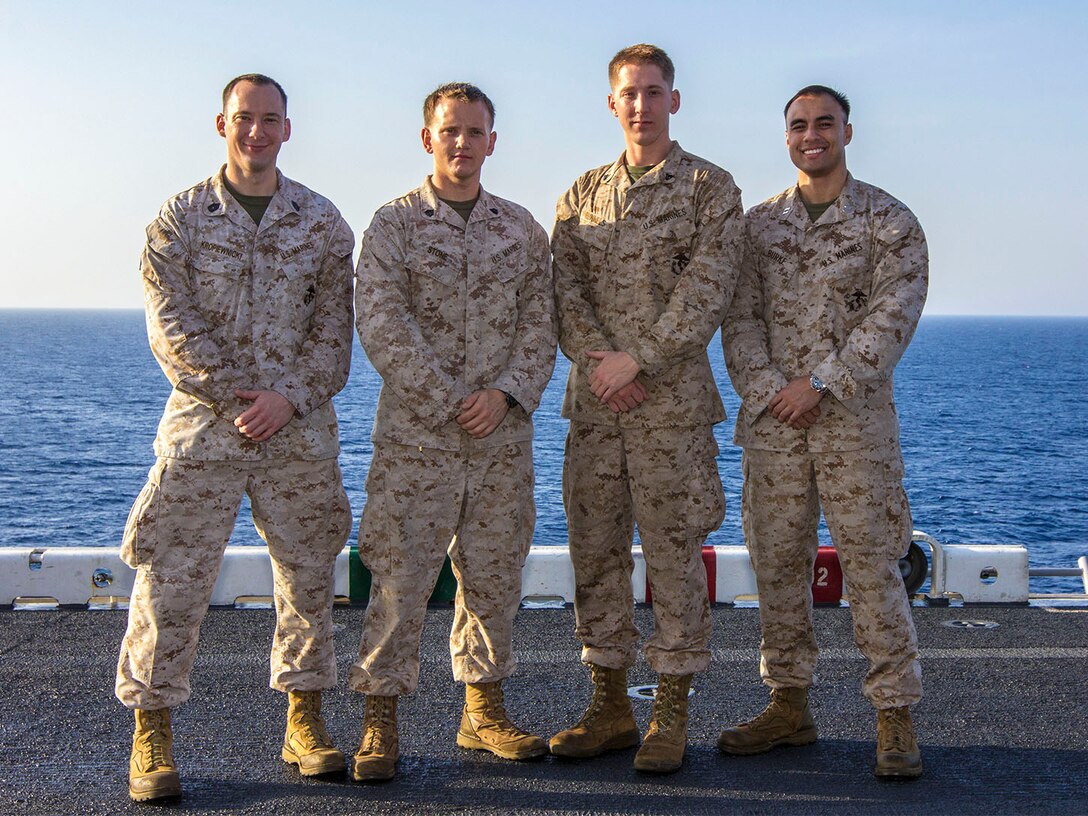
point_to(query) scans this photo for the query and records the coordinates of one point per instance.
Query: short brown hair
(256, 79)
(461, 91)
(641, 54)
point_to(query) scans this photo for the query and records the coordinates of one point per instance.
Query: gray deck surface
(1003, 727)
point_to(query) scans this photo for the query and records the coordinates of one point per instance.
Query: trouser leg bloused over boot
(418, 501)
(666, 480)
(863, 501)
(175, 538)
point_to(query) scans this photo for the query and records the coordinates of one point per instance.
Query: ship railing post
(1082, 562)
(937, 589)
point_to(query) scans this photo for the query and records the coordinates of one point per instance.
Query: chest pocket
(434, 280)
(293, 285)
(509, 263)
(596, 226)
(850, 277)
(669, 245)
(220, 284)
(495, 288)
(667, 249)
(594, 239)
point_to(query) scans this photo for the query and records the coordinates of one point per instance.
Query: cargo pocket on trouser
(706, 497)
(334, 526)
(140, 538)
(900, 522)
(378, 519)
(521, 455)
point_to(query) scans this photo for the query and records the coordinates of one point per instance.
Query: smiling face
(254, 122)
(459, 136)
(643, 102)
(817, 135)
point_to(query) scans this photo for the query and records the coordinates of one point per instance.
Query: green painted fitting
(359, 580)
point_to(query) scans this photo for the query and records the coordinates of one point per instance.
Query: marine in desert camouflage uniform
(646, 251)
(247, 281)
(832, 291)
(455, 310)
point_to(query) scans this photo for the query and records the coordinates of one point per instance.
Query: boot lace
(158, 754)
(666, 709)
(376, 728)
(154, 746)
(310, 730)
(500, 722)
(309, 725)
(596, 702)
(895, 731)
(776, 711)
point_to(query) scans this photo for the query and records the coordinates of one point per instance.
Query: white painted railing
(96, 577)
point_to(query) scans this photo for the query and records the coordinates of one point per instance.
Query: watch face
(817, 384)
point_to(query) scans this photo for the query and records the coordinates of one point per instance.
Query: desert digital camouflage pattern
(446, 308)
(175, 537)
(230, 305)
(840, 298)
(418, 500)
(647, 268)
(861, 492)
(667, 478)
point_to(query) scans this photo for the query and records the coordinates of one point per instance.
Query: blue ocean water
(994, 430)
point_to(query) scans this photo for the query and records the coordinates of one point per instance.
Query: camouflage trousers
(175, 537)
(477, 505)
(866, 510)
(666, 481)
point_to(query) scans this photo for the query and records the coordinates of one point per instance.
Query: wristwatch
(816, 384)
(510, 401)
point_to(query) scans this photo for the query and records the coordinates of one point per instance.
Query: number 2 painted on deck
(821, 576)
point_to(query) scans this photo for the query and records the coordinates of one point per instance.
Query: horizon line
(137, 309)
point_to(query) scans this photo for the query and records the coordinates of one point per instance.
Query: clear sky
(973, 113)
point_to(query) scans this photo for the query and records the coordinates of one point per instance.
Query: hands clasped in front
(797, 405)
(268, 412)
(482, 411)
(615, 380)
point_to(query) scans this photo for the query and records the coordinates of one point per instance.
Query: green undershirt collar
(816, 210)
(462, 208)
(254, 205)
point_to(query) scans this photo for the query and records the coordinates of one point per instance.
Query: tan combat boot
(607, 725)
(787, 720)
(897, 753)
(379, 748)
(663, 746)
(485, 726)
(151, 770)
(306, 742)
